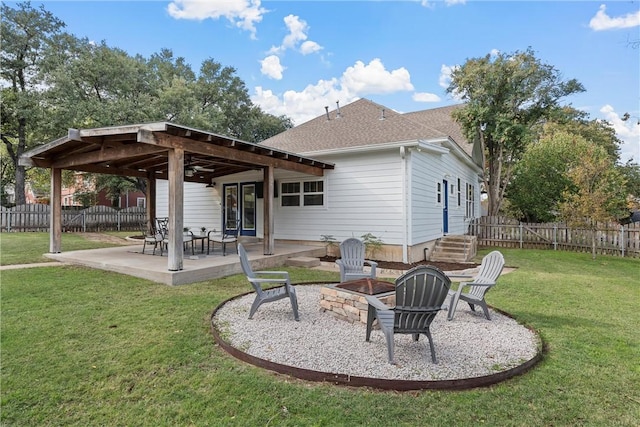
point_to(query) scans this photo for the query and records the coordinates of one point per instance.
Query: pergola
(163, 151)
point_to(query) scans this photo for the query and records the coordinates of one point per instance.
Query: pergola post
(268, 241)
(55, 205)
(150, 196)
(176, 208)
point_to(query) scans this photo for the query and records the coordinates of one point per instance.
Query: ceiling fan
(190, 169)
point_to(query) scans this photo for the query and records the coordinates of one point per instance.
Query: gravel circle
(468, 346)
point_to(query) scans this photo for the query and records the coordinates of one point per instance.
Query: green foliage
(597, 192)
(505, 97)
(540, 178)
(631, 173)
(372, 243)
(52, 81)
(28, 37)
(328, 239)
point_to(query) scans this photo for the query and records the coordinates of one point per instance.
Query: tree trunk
(20, 186)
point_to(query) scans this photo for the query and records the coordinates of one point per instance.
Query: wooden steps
(454, 249)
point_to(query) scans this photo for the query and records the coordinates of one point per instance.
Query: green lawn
(86, 347)
(28, 248)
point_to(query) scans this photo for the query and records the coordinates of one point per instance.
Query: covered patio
(167, 151)
(131, 261)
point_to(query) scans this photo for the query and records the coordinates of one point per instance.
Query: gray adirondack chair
(420, 293)
(488, 273)
(352, 262)
(268, 278)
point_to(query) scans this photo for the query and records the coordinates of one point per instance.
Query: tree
(27, 35)
(505, 97)
(597, 192)
(540, 177)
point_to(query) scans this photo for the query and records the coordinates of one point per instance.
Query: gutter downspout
(405, 207)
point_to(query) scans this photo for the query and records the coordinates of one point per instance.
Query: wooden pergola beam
(106, 155)
(172, 141)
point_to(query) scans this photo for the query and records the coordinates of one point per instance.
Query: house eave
(425, 145)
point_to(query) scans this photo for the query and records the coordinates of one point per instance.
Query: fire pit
(346, 300)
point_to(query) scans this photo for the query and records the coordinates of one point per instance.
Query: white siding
(362, 196)
(426, 170)
(201, 205)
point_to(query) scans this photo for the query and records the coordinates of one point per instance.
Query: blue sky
(298, 56)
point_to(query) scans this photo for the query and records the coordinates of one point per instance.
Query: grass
(85, 347)
(28, 248)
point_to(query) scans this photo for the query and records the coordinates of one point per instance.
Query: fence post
(521, 235)
(9, 220)
(118, 219)
(84, 221)
(555, 237)
(622, 239)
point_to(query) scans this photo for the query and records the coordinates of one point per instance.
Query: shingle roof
(363, 123)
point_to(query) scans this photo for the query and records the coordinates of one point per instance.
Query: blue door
(445, 207)
(248, 209)
(239, 204)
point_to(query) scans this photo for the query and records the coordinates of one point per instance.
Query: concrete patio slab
(131, 261)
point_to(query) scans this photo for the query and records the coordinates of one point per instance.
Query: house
(80, 185)
(407, 179)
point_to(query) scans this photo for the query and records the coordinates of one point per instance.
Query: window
(304, 193)
(141, 202)
(439, 193)
(290, 194)
(471, 191)
(459, 194)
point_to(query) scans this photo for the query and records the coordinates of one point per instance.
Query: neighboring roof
(142, 150)
(363, 123)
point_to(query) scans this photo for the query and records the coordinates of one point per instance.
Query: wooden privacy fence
(36, 217)
(611, 239)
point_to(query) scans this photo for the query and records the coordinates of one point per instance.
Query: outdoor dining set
(156, 234)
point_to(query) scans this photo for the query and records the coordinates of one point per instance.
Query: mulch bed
(444, 266)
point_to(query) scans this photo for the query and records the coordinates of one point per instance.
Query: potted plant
(203, 231)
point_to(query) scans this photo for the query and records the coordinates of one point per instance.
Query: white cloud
(627, 131)
(244, 14)
(445, 79)
(432, 4)
(309, 47)
(271, 67)
(601, 21)
(356, 81)
(425, 97)
(296, 38)
(375, 79)
(297, 31)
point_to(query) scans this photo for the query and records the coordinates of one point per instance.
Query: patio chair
(352, 262)
(420, 293)
(152, 237)
(268, 277)
(227, 236)
(187, 237)
(489, 271)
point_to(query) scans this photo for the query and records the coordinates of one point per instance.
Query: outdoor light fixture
(212, 184)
